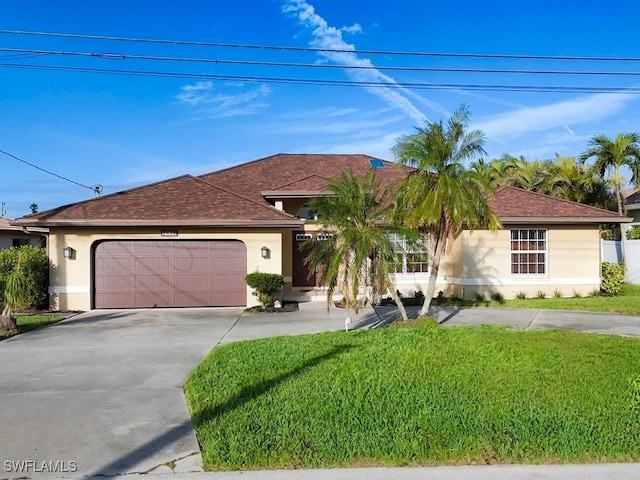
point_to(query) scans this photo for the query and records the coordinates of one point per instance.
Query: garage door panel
(171, 273)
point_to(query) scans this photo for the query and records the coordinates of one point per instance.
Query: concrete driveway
(101, 392)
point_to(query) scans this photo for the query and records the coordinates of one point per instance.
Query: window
(528, 252)
(411, 256)
(324, 236)
(376, 163)
(306, 213)
(19, 242)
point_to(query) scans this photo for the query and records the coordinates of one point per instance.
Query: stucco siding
(71, 278)
(572, 263)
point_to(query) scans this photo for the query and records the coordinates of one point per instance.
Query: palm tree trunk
(620, 201)
(7, 322)
(433, 276)
(396, 298)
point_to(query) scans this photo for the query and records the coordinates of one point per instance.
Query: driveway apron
(101, 392)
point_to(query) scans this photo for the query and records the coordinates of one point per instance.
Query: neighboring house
(190, 241)
(632, 200)
(15, 236)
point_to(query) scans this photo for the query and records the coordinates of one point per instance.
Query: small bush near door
(612, 277)
(265, 285)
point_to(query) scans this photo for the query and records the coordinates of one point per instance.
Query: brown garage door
(170, 273)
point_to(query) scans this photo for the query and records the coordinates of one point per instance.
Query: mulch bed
(286, 307)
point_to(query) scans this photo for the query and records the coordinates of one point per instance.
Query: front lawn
(418, 396)
(627, 302)
(31, 322)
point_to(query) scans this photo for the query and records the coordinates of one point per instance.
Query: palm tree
(360, 252)
(13, 289)
(611, 155)
(442, 197)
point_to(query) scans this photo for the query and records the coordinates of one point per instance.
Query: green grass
(627, 302)
(418, 396)
(31, 322)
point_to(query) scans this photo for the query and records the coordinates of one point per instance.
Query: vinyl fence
(612, 253)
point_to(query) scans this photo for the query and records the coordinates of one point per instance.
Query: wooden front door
(302, 276)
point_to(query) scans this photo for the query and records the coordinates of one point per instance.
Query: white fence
(612, 253)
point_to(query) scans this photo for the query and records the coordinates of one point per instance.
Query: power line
(340, 83)
(323, 50)
(123, 56)
(96, 188)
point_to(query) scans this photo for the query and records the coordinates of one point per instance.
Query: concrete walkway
(101, 393)
(608, 323)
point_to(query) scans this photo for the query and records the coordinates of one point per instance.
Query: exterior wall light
(265, 252)
(68, 252)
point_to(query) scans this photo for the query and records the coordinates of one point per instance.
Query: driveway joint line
(228, 330)
(533, 319)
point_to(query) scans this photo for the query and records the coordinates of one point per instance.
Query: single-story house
(16, 236)
(190, 240)
(632, 200)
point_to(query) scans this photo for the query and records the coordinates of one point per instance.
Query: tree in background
(360, 253)
(442, 197)
(610, 155)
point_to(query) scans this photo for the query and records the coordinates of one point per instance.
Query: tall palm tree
(360, 253)
(610, 156)
(442, 197)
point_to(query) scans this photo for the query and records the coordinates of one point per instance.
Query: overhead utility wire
(321, 50)
(122, 56)
(96, 188)
(341, 83)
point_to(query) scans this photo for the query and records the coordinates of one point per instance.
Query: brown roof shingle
(515, 205)
(234, 196)
(285, 170)
(181, 200)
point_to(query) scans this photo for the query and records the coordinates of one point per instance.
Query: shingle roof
(6, 226)
(284, 170)
(236, 196)
(183, 200)
(226, 197)
(515, 205)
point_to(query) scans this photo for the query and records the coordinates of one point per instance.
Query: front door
(302, 276)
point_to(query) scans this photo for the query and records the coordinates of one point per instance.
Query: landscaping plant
(266, 285)
(612, 277)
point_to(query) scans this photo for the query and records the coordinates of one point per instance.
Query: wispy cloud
(225, 104)
(341, 126)
(557, 115)
(328, 37)
(374, 143)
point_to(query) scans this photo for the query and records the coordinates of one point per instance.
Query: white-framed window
(529, 252)
(412, 256)
(324, 236)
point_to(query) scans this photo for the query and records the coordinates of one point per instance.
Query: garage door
(170, 273)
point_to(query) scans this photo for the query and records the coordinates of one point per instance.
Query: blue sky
(122, 131)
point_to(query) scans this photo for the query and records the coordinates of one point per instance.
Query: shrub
(34, 265)
(557, 293)
(576, 293)
(265, 286)
(633, 233)
(521, 295)
(541, 294)
(612, 277)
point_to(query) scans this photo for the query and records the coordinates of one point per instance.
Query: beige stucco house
(16, 236)
(190, 241)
